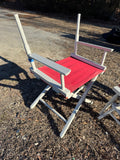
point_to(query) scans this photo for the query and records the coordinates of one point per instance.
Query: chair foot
(88, 101)
(106, 113)
(100, 117)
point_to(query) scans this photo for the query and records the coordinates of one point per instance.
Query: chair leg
(72, 116)
(118, 122)
(106, 113)
(108, 105)
(70, 119)
(40, 97)
(103, 113)
(110, 113)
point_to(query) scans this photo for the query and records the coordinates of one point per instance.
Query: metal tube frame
(77, 32)
(24, 40)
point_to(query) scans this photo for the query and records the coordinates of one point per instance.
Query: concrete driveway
(41, 42)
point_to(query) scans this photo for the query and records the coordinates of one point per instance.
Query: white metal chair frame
(63, 72)
(111, 106)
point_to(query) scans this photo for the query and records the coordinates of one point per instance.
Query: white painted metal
(77, 32)
(105, 114)
(52, 109)
(24, 40)
(39, 98)
(111, 106)
(57, 67)
(118, 122)
(108, 105)
(26, 46)
(104, 57)
(92, 63)
(62, 81)
(95, 46)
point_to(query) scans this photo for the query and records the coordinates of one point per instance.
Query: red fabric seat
(80, 73)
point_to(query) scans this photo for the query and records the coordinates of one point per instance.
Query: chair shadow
(12, 72)
(29, 87)
(99, 96)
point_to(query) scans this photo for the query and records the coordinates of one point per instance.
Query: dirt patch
(34, 134)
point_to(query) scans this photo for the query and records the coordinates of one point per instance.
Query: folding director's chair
(112, 107)
(67, 76)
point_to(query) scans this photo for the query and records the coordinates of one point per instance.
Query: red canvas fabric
(80, 73)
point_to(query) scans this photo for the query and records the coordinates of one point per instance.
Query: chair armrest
(106, 49)
(49, 63)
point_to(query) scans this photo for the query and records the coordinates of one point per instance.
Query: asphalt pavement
(40, 41)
